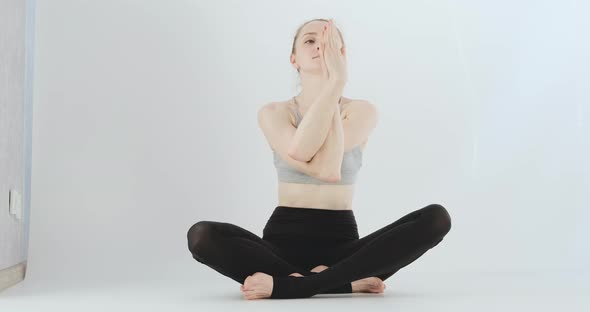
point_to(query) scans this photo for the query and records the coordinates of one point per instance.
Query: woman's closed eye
(309, 40)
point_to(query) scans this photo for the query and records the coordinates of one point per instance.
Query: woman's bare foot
(366, 285)
(257, 286)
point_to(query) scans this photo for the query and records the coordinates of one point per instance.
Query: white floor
(406, 291)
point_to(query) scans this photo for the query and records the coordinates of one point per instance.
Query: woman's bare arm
(331, 153)
(315, 125)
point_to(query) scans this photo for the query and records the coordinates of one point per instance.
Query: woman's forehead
(315, 26)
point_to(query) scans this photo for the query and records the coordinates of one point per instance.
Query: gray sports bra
(351, 164)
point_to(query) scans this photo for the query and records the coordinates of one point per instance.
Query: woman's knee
(439, 219)
(199, 235)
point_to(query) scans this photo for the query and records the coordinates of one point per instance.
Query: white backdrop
(145, 122)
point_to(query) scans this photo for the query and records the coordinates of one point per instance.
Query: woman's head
(306, 45)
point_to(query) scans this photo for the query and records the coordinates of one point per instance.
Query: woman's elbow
(330, 177)
(295, 153)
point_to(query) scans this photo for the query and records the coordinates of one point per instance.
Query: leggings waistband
(312, 215)
(320, 225)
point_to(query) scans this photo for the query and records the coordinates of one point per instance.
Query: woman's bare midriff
(335, 197)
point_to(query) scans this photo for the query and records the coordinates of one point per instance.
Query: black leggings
(295, 240)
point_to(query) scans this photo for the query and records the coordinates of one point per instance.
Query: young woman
(310, 243)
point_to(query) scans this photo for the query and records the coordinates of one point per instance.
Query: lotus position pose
(310, 244)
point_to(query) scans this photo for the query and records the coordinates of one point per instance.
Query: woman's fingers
(324, 39)
(338, 44)
(327, 36)
(323, 56)
(334, 58)
(333, 38)
(330, 30)
(327, 42)
(333, 34)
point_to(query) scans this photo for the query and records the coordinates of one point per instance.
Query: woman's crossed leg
(381, 254)
(238, 253)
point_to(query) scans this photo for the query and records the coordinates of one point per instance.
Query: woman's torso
(337, 197)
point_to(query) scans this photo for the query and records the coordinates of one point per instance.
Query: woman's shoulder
(280, 107)
(356, 103)
(348, 104)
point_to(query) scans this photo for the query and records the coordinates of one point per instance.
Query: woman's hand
(333, 55)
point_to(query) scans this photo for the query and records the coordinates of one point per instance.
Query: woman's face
(307, 47)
